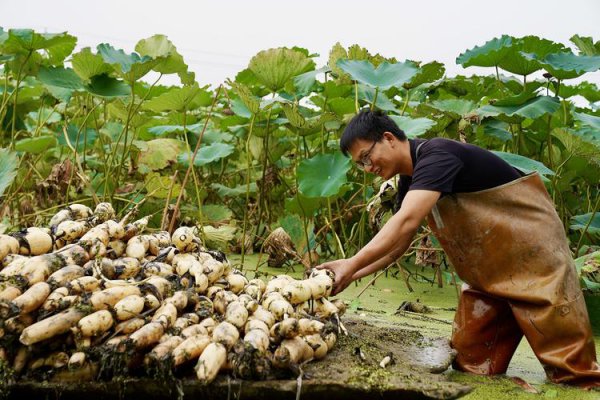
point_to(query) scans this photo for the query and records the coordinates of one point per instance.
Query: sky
(218, 38)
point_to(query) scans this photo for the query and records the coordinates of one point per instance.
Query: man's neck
(406, 162)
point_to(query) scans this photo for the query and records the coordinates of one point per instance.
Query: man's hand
(343, 273)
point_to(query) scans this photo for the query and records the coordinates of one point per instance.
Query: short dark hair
(369, 125)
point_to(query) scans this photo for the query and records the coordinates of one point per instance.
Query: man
(502, 234)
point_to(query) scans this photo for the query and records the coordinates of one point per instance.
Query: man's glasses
(365, 160)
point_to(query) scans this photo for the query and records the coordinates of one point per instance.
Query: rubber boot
(561, 337)
(485, 333)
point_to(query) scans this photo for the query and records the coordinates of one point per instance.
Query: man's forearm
(381, 263)
(371, 268)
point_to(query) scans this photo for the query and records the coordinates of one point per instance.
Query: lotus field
(254, 163)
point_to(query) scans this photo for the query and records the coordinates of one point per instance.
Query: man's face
(375, 157)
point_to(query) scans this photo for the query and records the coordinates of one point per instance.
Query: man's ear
(389, 136)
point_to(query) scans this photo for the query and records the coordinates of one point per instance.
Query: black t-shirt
(448, 166)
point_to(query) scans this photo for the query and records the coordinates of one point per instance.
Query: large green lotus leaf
(487, 55)
(586, 45)
(293, 115)
(586, 89)
(57, 45)
(518, 99)
(356, 52)
(161, 186)
(578, 146)
(533, 109)
(60, 93)
(32, 92)
(524, 164)
(207, 154)
(382, 102)
(566, 65)
(118, 57)
(316, 124)
(161, 153)
(413, 127)
(78, 140)
(46, 115)
(61, 77)
(86, 64)
(216, 213)
(239, 108)
(497, 129)
(8, 169)
(337, 52)
(251, 102)
(305, 82)
(323, 175)
(130, 67)
(429, 72)
(224, 191)
(342, 105)
(158, 46)
(332, 89)
(514, 61)
(202, 98)
(107, 86)
(160, 130)
(302, 205)
(294, 227)
(457, 107)
(36, 145)
(580, 222)
(588, 134)
(111, 130)
(587, 119)
(176, 99)
(385, 76)
(274, 67)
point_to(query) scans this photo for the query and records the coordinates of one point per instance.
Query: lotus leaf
(86, 64)
(161, 153)
(207, 154)
(591, 221)
(176, 99)
(385, 76)
(533, 108)
(413, 127)
(488, 55)
(323, 175)
(514, 60)
(158, 46)
(8, 169)
(108, 87)
(524, 164)
(78, 139)
(274, 67)
(159, 186)
(36, 145)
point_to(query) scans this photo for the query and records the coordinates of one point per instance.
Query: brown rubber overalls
(508, 244)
